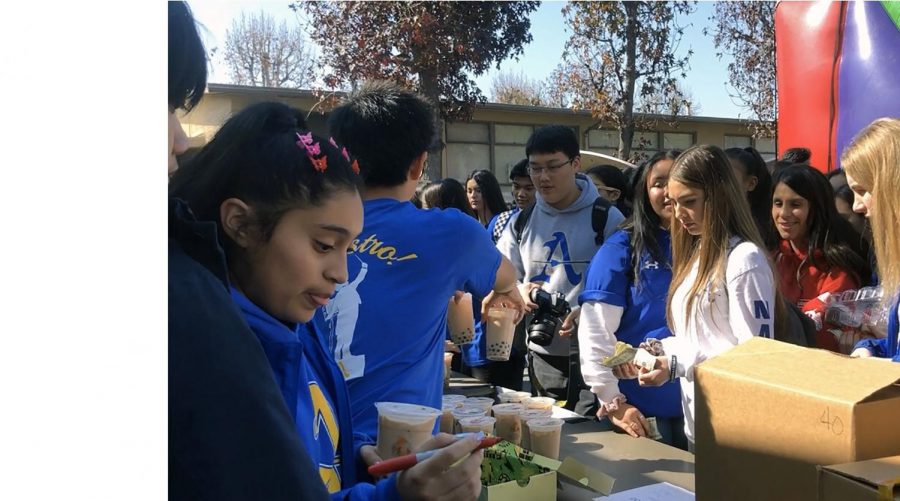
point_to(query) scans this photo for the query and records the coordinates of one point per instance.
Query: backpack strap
(599, 216)
(521, 221)
(500, 224)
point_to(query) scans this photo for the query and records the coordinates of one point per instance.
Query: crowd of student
(305, 285)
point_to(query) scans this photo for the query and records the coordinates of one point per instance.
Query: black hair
(760, 198)
(844, 193)
(829, 233)
(644, 223)
(187, 59)
(553, 138)
(776, 165)
(448, 193)
(386, 127)
(796, 155)
(491, 195)
(519, 170)
(613, 177)
(257, 157)
(835, 173)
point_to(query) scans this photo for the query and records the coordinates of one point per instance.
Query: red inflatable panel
(807, 53)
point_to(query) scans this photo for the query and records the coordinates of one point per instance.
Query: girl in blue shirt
(285, 205)
(624, 299)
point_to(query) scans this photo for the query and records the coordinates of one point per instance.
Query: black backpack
(599, 215)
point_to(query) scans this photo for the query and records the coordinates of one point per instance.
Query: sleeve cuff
(602, 297)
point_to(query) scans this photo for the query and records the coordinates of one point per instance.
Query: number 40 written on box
(833, 423)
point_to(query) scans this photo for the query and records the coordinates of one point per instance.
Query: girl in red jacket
(819, 251)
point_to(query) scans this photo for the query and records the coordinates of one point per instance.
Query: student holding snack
(723, 288)
(624, 300)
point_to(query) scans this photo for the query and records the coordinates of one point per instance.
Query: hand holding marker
(408, 461)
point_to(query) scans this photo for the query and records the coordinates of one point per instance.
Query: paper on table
(656, 492)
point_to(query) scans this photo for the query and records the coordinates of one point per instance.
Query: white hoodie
(723, 317)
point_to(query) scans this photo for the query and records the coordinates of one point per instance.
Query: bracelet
(673, 365)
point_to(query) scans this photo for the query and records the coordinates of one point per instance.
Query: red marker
(406, 462)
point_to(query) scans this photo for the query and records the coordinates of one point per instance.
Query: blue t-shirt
(609, 280)
(386, 326)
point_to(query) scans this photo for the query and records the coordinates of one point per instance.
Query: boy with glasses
(551, 251)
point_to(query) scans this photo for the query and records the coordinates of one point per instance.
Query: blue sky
(706, 79)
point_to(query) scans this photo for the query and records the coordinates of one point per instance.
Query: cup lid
(480, 400)
(535, 413)
(508, 408)
(461, 412)
(407, 411)
(513, 396)
(477, 420)
(539, 400)
(453, 398)
(545, 424)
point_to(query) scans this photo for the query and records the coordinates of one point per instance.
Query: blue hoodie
(609, 281)
(316, 395)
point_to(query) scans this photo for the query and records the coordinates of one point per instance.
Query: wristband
(673, 365)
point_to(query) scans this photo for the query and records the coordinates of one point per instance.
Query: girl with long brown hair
(723, 290)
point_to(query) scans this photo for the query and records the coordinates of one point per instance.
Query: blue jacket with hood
(317, 397)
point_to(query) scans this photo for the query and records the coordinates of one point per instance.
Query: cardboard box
(875, 480)
(768, 412)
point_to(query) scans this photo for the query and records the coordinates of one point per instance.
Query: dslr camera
(552, 308)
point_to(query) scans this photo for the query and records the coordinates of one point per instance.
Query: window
(737, 141)
(677, 140)
(509, 149)
(468, 148)
(765, 145)
(645, 141)
(512, 134)
(461, 132)
(463, 158)
(603, 139)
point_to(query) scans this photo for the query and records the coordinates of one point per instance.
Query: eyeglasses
(611, 193)
(550, 169)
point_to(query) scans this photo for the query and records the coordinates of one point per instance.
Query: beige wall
(202, 123)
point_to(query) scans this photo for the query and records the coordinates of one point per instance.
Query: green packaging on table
(505, 462)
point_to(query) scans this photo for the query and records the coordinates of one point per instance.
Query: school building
(495, 138)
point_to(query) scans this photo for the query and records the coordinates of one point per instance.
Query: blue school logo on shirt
(324, 422)
(557, 243)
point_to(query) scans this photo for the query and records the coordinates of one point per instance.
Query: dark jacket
(231, 436)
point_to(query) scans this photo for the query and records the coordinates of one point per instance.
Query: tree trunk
(428, 86)
(626, 122)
